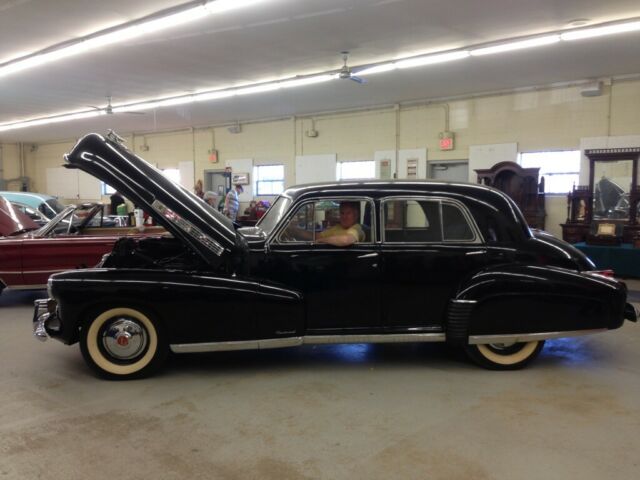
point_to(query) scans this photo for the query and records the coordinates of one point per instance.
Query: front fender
(194, 307)
(524, 299)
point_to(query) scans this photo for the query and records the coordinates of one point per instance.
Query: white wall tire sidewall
(104, 363)
(512, 359)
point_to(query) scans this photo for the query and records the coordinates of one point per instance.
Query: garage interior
(209, 94)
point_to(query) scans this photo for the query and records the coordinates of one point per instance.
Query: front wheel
(123, 343)
(504, 356)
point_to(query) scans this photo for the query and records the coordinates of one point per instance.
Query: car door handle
(476, 252)
(368, 255)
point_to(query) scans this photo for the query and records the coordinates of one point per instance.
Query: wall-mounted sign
(240, 178)
(385, 169)
(446, 141)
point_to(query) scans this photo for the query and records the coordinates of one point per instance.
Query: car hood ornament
(187, 217)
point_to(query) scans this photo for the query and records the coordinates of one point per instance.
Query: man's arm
(343, 240)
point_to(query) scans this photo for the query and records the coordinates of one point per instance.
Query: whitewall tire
(123, 343)
(502, 356)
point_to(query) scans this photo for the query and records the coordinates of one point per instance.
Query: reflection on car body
(441, 262)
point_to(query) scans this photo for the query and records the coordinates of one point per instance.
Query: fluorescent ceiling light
(126, 32)
(385, 67)
(221, 6)
(53, 119)
(600, 31)
(519, 45)
(431, 59)
(260, 87)
(299, 82)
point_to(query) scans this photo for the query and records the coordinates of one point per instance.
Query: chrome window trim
(477, 237)
(294, 208)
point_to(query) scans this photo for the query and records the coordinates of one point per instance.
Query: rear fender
(527, 299)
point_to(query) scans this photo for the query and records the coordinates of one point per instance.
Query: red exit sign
(446, 140)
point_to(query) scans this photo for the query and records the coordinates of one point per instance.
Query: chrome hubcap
(124, 339)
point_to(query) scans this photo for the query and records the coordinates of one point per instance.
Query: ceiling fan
(345, 71)
(109, 108)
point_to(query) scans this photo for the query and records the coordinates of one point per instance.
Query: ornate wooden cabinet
(612, 196)
(522, 185)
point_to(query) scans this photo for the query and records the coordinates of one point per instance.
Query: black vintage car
(436, 262)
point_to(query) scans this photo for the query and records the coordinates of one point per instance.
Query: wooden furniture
(522, 185)
(612, 195)
(579, 205)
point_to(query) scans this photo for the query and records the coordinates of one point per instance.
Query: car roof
(380, 188)
(11, 195)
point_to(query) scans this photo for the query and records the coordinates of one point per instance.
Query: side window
(454, 224)
(302, 227)
(327, 217)
(408, 220)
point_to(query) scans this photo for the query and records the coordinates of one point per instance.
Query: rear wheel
(504, 356)
(123, 343)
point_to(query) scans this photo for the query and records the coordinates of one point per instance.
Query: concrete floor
(328, 412)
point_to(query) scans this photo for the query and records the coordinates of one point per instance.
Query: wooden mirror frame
(613, 155)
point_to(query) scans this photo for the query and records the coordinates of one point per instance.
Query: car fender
(193, 306)
(530, 299)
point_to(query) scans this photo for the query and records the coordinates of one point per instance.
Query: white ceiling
(289, 37)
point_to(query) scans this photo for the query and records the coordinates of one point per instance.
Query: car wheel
(123, 343)
(504, 356)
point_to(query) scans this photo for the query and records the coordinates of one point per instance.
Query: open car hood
(12, 220)
(187, 217)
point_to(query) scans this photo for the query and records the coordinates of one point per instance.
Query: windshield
(71, 222)
(51, 207)
(270, 219)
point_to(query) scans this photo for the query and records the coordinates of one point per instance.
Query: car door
(428, 245)
(340, 284)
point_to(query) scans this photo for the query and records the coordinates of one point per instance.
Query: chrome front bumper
(44, 317)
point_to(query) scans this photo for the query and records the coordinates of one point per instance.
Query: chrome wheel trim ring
(502, 346)
(124, 339)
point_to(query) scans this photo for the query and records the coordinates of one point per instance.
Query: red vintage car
(77, 237)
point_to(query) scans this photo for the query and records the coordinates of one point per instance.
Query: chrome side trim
(381, 338)
(240, 345)
(28, 287)
(310, 340)
(529, 337)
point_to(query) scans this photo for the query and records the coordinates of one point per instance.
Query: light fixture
(385, 67)
(517, 45)
(600, 31)
(125, 32)
(432, 59)
(290, 82)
